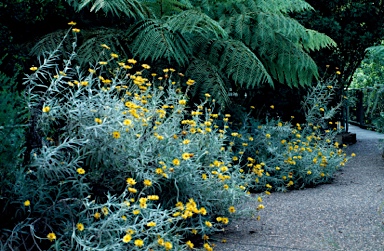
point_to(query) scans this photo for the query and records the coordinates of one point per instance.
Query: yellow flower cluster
(189, 209)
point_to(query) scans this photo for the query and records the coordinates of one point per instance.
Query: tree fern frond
(269, 24)
(131, 8)
(378, 50)
(282, 6)
(89, 51)
(162, 8)
(154, 39)
(196, 22)
(290, 64)
(237, 61)
(49, 43)
(208, 80)
(314, 40)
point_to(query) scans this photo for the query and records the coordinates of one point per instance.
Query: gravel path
(344, 215)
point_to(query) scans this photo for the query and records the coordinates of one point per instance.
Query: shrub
(125, 161)
(285, 156)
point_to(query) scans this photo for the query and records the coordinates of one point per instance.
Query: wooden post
(359, 108)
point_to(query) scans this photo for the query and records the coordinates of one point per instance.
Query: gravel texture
(344, 215)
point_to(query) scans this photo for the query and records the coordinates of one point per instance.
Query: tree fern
(287, 61)
(154, 39)
(197, 23)
(208, 80)
(236, 61)
(89, 51)
(131, 8)
(49, 43)
(160, 8)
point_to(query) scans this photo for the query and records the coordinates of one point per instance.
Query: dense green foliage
(223, 44)
(353, 25)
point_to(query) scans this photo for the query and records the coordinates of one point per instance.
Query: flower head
(176, 162)
(46, 109)
(147, 183)
(116, 134)
(51, 236)
(139, 243)
(105, 210)
(127, 238)
(72, 23)
(80, 226)
(80, 171)
(27, 203)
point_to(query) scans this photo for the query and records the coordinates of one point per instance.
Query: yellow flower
(105, 46)
(139, 243)
(272, 107)
(151, 224)
(84, 83)
(259, 207)
(203, 211)
(309, 172)
(114, 55)
(116, 134)
(33, 68)
(208, 224)
(131, 181)
(168, 245)
(76, 30)
(338, 72)
(51, 236)
(182, 102)
(321, 109)
(97, 215)
(207, 247)
(132, 190)
(145, 66)
(176, 162)
(132, 61)
(186, 156)
(46, 109)
(80, 171)
(190, 82)
(80, 226)
(127, 122)
(353, 155)
(268, 135)
(27, 203)
(72, 23)
(105, 211)
(189, 244)
(127, 238)
(136, 212)
(147, 183)
(232, 209)
(153, 197)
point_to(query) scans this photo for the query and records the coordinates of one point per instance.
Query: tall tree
(354, 25)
